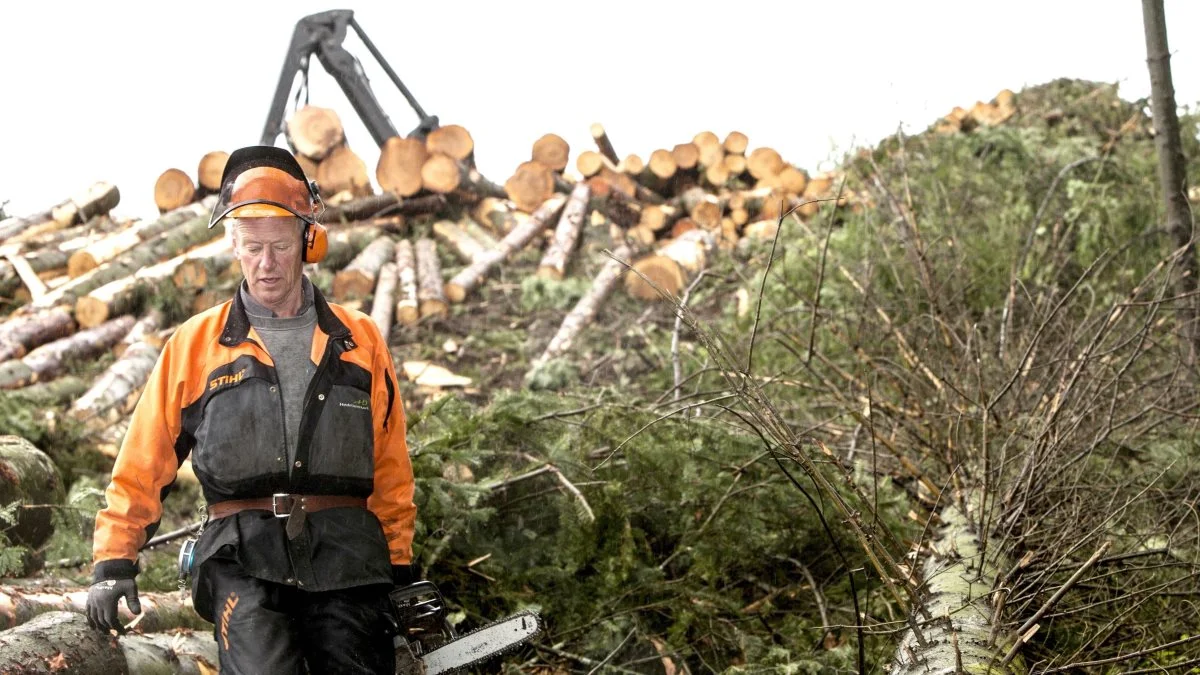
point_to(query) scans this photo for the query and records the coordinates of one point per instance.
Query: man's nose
(268, 259)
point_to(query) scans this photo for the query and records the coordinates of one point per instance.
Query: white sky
(121, 91)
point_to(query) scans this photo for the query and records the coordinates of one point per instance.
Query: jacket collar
(237, 325)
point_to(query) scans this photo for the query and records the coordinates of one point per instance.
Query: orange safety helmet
(261, 181)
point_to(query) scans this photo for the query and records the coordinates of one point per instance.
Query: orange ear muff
(316, 242)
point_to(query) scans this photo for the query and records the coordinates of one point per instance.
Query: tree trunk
(347, 242)
(109, 247)
(469, 278)
(764, 162)
(632, 165)
(566, 234)
(357, 280)
(196, 267)
(62, 642)
(315, 132)
(163, 611)
(124, 378)
(383, 302)
(210, 170)
(399, 167)
(702, 207)
(530, 186)
(145, 330)
(21, 333)
(431, 297)
(122, 295)
(600, 136)
(99, 198)
(54, 393)
(173, 189)
(499, 215)
(464, 245)
(166, 245)
(32, 282)
(343, 171)
(386, 204)
(958, 591)
(736, 143)
(585, 310)
(1172, 166)
(407, 310)
(29, 476)
(48, 361)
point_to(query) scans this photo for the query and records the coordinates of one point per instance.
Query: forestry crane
(322, 35)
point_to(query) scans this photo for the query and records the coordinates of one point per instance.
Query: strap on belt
(282, 505)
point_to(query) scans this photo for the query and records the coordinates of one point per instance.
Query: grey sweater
(289, 342)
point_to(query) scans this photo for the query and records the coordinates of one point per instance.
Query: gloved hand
(102, 603)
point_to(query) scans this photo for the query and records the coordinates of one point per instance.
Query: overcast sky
(122, 91)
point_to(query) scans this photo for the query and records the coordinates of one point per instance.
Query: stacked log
(357, 280)
(49, 360)
(100, 198)
(407, 310)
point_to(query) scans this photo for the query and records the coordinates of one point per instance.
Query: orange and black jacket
(214, 395)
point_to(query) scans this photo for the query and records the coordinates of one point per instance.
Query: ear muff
(316, 242)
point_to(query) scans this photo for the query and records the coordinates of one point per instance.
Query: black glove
(102, 603)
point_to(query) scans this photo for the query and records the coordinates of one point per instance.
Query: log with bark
(702, 207)
(52, 394)
(357, 279)
(603, 144)
(500, 216)
(210, 170)
(50, 360)
(21, 333)
(347, 242)
(671, 266)
(764, 162)
(585, 310)
(315, 132)
(147, 329)
(383, 303)
(162, 611)
(343, 171)
(62, 642)
(470, 277)
(30, 477)
(444, 174)
(381, 205)
(552, 151)
(431, 297)
(121, 381)
(736, 143)
(154, 250)
(566, 234)
(95, 254)
(399, 166)
(196, 267)
(530, 186)
(97, 199)
(173, 189)
(407, 310)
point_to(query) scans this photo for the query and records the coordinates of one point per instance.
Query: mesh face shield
(265, 181)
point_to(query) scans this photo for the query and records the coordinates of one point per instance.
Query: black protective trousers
(263, 627)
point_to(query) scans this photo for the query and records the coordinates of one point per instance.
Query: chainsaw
(426, 643)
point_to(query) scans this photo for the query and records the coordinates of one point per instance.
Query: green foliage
(540, 293)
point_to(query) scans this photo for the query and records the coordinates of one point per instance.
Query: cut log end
(173, 189)
(664, 272)
(400, 164)
(530, 186)
(441, 173)
(552, 151)
(342, 171)
(212, 166)
(315, 132)
(451, 140)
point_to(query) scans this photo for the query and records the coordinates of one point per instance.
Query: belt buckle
(275, 504)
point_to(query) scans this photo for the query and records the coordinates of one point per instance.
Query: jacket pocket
(344, 441)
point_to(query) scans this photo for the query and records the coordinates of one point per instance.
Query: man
(288, 407)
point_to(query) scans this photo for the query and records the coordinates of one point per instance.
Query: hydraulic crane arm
(322, 34)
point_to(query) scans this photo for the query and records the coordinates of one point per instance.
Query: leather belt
(292, 507)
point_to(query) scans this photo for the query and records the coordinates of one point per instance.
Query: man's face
(269, 251)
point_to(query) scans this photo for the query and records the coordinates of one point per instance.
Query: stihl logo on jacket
(222, 380)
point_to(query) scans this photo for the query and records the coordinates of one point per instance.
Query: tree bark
(501, 216)
(163, 611)
(386, 204)
(357, 280)
(469, 278)
(347, 242)
(48, 361)
(315, 132)
(62, 642)
(194, 268)
(1172, 166)
(431, 297)
(585, 310)
(29, 476)
(383, 302)
(110, 247)
(124, 378)
(97, 199)
(407, 310)
(145, 330)
(566, 234)
(600, 136)
(671, 265)
(21, 333)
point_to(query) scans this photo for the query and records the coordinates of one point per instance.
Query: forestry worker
(288, 407)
